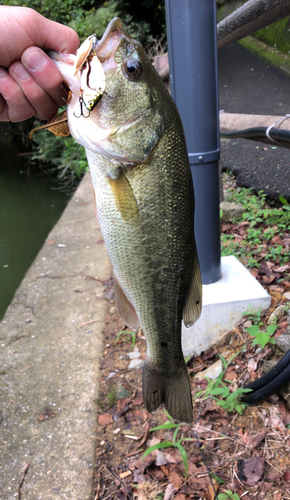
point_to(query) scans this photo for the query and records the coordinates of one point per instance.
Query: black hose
(256, 132)
(276, 370)
(276, 383)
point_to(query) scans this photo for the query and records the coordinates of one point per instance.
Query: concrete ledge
(50, 344)
(223, 305)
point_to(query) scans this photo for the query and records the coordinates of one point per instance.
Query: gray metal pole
(192, 48)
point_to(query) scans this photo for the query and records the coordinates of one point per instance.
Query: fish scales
(139, 165)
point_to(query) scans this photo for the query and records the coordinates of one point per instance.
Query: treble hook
(81, 101)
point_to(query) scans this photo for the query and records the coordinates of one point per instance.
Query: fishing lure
(92, 76)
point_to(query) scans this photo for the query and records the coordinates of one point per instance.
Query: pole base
(223, 304)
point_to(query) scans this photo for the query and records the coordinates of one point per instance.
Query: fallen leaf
(169, 492)
(251, 470)
(282, 269)
(105, 419)
(138, 401)
(253, 441)
(211, 492)
(286, 476)
(144, 436)
(252, 366)
(276, 288)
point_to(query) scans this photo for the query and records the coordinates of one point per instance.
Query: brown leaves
(251, 470)
(253, 441)
(105, 419)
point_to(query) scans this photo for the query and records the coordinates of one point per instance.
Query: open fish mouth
(111, 39)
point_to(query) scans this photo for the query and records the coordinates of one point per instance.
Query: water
(29, 208)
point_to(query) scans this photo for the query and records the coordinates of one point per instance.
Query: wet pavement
(250, 85)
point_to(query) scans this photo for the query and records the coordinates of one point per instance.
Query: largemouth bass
(138, 160)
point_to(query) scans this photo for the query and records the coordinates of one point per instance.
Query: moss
(276, 35)
(269, 54)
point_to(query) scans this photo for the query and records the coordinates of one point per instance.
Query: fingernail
(3, 72)
(35, 61)
(20, 72)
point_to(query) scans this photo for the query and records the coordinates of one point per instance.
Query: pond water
(29, 208)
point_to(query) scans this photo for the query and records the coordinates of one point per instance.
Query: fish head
(123, 117)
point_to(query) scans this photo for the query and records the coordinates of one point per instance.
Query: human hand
(30, 83)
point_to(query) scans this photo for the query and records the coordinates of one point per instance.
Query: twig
(204, 461)
(22, 481)
(88, 322)
(134, 453)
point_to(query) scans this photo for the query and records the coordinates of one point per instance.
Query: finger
(3, 106)
(16, 107)
(45, 73)
(30, 28)
(45, 107)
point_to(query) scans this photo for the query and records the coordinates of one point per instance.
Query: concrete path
(50, 344)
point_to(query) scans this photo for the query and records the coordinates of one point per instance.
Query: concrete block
(223, 305)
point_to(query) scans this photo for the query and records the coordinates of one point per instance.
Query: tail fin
(173, 390)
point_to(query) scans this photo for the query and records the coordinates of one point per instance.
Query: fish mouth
(110, 40)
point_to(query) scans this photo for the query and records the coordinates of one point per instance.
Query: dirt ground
(246, 454)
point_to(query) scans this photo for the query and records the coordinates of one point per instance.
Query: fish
(137, 154)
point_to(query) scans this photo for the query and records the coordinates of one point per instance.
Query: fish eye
(133, 68)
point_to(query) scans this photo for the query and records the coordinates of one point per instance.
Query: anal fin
(192, 308)
(125, 308)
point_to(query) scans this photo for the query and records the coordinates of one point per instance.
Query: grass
(258, 233)
(223, 392)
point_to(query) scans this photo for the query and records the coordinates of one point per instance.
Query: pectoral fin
(124, 198)
(192, 308)
(125, 308)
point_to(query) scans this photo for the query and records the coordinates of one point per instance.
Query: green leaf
(271, 329)
(253, 330)
(167, 425)
(158, 446)
(175, 434)
(220, 391)
(283, 200)
(184, 457)
(218, 479)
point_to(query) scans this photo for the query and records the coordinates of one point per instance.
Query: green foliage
(130, 335)
(252, 314)
(228, 495)
(221, 392)
(265, 222)
(60, 156)
(276, 35)
(61, 11)
(262, 338)
(87, 22)
(112, 397)
(173, 443)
